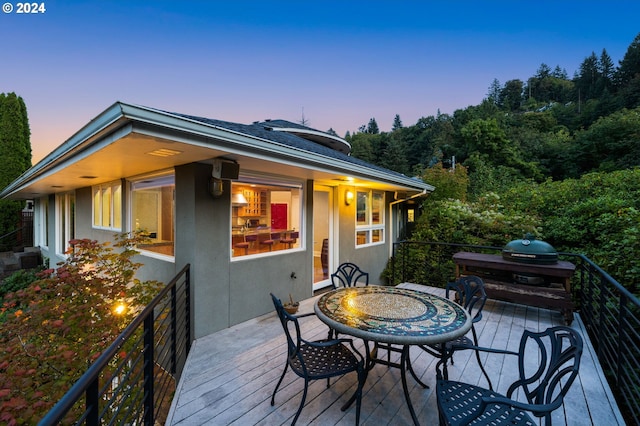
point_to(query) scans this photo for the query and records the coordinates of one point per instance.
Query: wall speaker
(230, 170)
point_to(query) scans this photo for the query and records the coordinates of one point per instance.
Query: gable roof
(124, 140)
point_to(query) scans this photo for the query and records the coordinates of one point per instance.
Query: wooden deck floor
(230, 375)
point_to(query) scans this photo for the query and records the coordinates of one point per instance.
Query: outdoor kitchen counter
(561, 269)
(496, 272)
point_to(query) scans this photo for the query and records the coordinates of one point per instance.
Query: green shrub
(17, 281)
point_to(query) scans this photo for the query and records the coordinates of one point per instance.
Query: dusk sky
(339, 62)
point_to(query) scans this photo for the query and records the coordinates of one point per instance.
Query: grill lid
(530, 250)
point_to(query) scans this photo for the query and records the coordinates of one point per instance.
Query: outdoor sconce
(216, 188)
(348, 197)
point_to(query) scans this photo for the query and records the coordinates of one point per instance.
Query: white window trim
(61, 242)
(130, 185)
(110, 186)
(42, 226)
(284, 183)
(370, 226)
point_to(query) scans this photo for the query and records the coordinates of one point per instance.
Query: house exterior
(266, 207)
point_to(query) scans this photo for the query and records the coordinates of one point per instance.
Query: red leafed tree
(54, 329)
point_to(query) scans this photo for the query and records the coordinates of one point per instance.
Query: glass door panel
(322, 236)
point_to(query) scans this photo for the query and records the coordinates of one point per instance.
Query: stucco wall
(226, 292)
(371, 259)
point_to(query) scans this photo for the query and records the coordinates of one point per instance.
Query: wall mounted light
(348, 197)
(216, 188)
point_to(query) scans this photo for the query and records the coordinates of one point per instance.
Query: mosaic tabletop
(392, 315)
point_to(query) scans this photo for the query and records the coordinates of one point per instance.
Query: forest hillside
(555, 155)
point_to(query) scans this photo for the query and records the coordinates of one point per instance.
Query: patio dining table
(391, 315)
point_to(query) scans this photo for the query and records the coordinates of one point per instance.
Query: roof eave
(119, 114)
(67, 150)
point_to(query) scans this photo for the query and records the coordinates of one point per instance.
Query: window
(265, 217)
(42, 223)
(65, 221)
(369, 217)
(107, 206)
(153, 212)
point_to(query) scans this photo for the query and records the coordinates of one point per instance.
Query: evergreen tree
(588, 76)
(397, 123)
(606, 69)
(372, 127)
(543, 72)
(15, 153)
(630, 64)
(15, 148)
(394, 156)
(560, 73)
(493, 95)
(627, 77)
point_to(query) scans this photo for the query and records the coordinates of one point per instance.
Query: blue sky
(341, 62)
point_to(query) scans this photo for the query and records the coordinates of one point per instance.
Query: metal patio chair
(313, 360)
(347, 275)
(468, 291)
(543, 383)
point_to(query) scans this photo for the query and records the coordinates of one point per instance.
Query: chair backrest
(287, 320)
(347, 275)
(558, 351)
(470, 294)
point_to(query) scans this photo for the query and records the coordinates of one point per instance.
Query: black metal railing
(610, 313)
(134, 380)
(15, 240)
(21, 237)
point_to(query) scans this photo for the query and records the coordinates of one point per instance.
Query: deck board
(230, 375)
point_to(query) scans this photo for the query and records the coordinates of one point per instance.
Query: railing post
(148, 370)
(622, 346)
(404, 263)
(174, 329)
(601, 318)
(187, 304)
(92, 403)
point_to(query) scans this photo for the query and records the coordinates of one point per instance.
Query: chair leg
(361, 378)
(475, 342)
(273, 397)
(304, 397)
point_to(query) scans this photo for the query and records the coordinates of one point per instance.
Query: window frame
(370, 218)
(65, 219)
(155, 180)
(295, 225)
(115, 206)
(42, 223)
